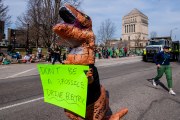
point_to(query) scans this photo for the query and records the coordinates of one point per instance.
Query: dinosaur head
(76, 28)
(71, 15)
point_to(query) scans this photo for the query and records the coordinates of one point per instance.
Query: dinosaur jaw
(71, 15)
(67, 15)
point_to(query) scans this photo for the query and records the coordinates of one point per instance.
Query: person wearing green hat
(162, 60)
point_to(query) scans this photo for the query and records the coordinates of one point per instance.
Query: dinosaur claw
(118, 115)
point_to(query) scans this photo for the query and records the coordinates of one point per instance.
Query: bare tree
(41, 16)
(124, 43)
(137, 41)
(106, 31)
(4, 13)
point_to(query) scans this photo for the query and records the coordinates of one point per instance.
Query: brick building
(1, 30)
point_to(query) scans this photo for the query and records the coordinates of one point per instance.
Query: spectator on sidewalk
(5, 60)
(39, 53)
(116, 52)
(27, 58)
(18, 56)
(96, 53)
(122, 52)
(125, 51)
(110, 51)
(33, 59)
(103, 52)
(56, 53)
(49, 54)
(106, 53)
(1, 55)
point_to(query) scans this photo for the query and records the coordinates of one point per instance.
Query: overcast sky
(164, 15)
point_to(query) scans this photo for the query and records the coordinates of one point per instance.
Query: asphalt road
(21, 98)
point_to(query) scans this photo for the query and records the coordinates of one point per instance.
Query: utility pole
(171, 32)
(27, 41)
(14, 38)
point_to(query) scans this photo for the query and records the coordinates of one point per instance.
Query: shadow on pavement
(159, 83)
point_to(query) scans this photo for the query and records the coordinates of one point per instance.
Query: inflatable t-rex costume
(76, 32)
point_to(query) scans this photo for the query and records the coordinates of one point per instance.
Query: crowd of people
(108, 52)
(57, 53)
(54, 53)
(12, 56)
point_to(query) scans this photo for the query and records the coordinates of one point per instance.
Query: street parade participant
(76, 32)
(162, 60)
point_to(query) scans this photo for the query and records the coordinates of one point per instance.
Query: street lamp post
(129, 42)
(172, 31)
(14, 39)
(27, 41)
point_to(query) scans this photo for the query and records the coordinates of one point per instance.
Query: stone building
(1, 30)
(135, 30)
(114, 43)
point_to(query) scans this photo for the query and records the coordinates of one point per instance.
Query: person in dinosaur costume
(76, 32)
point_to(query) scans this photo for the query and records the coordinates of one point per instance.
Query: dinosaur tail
(118, 115)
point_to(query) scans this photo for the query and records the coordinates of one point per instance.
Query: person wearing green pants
(162, 60)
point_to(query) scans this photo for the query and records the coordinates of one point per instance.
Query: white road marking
(20, 73)
(22, 103)
(4, 67)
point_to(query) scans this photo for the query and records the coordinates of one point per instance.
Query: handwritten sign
(65, 86)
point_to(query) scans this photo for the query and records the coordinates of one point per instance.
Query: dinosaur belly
(80, 56)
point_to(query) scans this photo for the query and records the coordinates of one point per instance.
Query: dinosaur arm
(89, 75)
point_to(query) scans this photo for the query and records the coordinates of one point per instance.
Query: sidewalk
(115, 61)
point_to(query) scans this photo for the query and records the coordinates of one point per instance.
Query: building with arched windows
(135, 30)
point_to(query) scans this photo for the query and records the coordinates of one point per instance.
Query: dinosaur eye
(87, 17)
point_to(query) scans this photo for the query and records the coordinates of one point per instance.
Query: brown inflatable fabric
(78, 35)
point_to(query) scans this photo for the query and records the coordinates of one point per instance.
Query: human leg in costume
(160, 72)
(168, 72)
(76, 32)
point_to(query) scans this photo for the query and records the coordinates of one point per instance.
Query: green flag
(65, 86)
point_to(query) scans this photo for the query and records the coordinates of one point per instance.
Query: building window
(131, 28)
(125, 28)
(141, 44)
(134, 28)
(136, 44)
